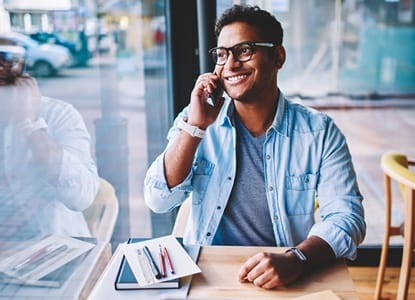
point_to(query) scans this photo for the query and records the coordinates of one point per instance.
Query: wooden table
(220, 265)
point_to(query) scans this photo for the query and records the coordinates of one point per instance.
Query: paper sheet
(40, 259)
(182, 263)
(324, 295)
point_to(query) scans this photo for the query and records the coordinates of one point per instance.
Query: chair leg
(386, 238)
(382, 265)
(407, 255)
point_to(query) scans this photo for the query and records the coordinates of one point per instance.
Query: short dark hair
(268, 26)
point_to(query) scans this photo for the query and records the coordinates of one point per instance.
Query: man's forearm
(318, 253)
(179, 157)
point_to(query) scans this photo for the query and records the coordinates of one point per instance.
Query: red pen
(36, 255)
(169, 263)
(162, 263)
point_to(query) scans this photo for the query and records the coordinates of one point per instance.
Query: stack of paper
(146, 266)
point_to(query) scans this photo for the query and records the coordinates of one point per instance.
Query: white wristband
(190, 129)
(28, 127)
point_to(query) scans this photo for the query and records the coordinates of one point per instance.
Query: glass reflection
(47, 174)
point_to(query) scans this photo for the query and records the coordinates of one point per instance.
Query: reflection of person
(47, 174)
(256, 162)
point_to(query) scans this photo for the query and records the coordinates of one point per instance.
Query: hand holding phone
(214, 97)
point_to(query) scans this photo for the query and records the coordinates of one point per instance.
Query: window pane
(116, 66)
(354, 60)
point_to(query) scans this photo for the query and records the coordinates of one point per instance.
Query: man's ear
(280, 56)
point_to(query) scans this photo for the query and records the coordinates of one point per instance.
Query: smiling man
(255, 161)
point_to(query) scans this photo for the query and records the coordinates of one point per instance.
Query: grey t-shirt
(246, 220)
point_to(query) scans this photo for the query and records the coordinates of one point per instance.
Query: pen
(162, 262)
(38, 261)
(39, 253)
(145, 267)
(169, 263)
(153, 265)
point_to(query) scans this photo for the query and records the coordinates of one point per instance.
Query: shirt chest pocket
(300, 194)
(202, 171)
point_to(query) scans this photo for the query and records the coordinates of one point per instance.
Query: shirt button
(218, 207)
(275, 218)
(268, 156)
(306, 180)
(229, 178)
(270, 188)
(208, 234)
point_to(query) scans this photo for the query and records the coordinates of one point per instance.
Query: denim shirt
(57, 206)
(306, 157)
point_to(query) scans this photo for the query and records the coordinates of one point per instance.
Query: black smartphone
(214, 97)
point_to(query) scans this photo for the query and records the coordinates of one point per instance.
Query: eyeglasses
(12, 65)
(10, 60)
(241, 52)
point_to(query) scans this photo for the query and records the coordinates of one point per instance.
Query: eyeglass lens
(240, 52)
(7, 58)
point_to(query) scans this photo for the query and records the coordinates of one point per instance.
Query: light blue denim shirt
(305, 155)
(50, 207)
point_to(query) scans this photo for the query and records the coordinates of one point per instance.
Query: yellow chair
(102, 214)
(396, 167)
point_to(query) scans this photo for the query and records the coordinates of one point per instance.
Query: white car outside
(42, 60)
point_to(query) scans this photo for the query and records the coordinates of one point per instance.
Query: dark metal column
(206, 17)
(182, 70)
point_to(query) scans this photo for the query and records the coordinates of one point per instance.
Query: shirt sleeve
(77, 182)
(342, 223)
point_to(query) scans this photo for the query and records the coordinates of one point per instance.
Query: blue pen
(152, 263)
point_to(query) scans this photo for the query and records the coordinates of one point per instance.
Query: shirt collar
(280, 116)
(226, 116)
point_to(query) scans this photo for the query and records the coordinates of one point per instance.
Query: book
(125, 279)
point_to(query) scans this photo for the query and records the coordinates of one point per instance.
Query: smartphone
(214, 97)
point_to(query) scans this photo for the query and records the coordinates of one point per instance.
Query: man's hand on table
(270, 270)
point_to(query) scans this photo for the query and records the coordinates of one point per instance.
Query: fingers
(207, 83)
(29, 86)
(260, 271)
(26, 99)
(249, 266)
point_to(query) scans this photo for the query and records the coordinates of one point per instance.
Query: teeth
(235, 78)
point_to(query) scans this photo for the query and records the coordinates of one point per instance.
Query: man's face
(10, 69)
(247, 81)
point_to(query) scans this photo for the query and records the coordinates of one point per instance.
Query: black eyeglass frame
(14, 60)
(251, 44)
